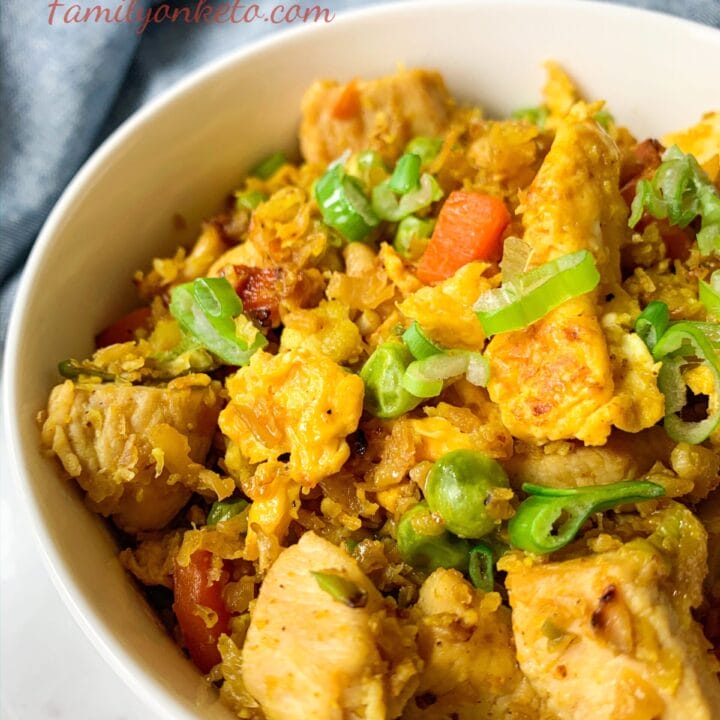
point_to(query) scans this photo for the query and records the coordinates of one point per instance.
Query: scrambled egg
(296, 403)
(567, 376)
(445, 310)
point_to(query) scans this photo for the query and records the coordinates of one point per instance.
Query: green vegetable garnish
(406, 175)
(604, 118)
(425, 378)
(418, 343)
(427, 545)
(652, 322)
(206, 309)
(72, 369)
(388, 206)
(680, 191)
(551, 517)
(250, 199)
(710, 295)
(224, 510)
(426, 148)
(480, 567)
(688, 343)
(459, 489)
(343, 204)
(382, 375)
(530, 296)
(412, 235)
(534, 115)
(341, 589)
(267, 167)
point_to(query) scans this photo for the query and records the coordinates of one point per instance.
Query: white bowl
(183, 152)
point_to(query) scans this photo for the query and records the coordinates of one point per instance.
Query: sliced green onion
(516, 258)
(267, 167)
(343, 204)
(710, 295)
(551, 517)
(418, 384)
(652, 322)
(532, 295)
(382, 375)
(424, 378)
(368, 166)
(250, 199)
(708, 239)
(418, 342)
(680, 190)
(478, 370)
(686, 343)
(604, 118)
(406, 175)
(412, 235)
(341, 589)
(206, 309)
(72, 370)
(387, 206)
(534, 115)
(426, 148)
(646, 199)
(480, 568)
(224, 510)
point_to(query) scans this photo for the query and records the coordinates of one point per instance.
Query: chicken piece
(297, 403)
(445, 310)
(566, 465)
(308, 655)
(465, 640)
(136, 451)
(551, 378)
(611, 636)
(382, 114)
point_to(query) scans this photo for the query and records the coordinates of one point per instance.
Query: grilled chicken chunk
(611, 636)
(309, 655)
(136, 451)
(381, 114)
(465, 640)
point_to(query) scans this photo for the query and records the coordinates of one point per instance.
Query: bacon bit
(646, 158)
(347, 106)
(260, 292)
(123, 330)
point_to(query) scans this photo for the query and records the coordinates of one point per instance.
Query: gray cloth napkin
(64, 87)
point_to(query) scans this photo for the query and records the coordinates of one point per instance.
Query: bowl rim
(157, 698)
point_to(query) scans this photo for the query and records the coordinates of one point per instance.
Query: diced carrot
(347, 106)
(123, 330)
(469, 227)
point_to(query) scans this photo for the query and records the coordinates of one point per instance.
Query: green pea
(458, 489)
(426, 545)
(384, 395)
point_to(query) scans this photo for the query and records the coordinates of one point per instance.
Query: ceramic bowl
(184, 151)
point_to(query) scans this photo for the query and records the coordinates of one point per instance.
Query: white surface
(49, 670)
(182, 153)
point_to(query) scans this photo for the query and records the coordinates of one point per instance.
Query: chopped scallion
(267, 167)
(531, 295)
(341, 589)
